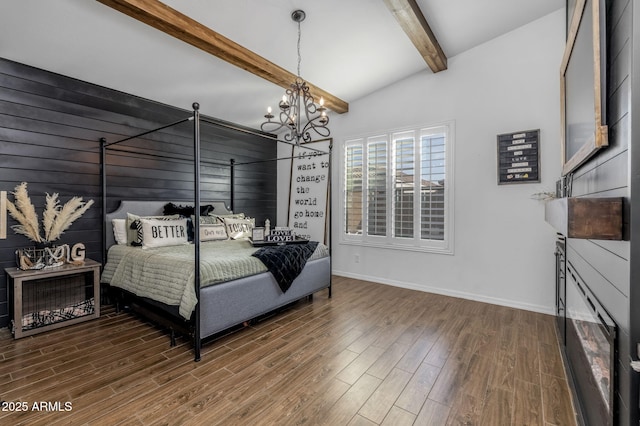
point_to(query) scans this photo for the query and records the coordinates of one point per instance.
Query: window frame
(415, 243)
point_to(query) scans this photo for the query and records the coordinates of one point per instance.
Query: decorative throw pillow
(160, 233)
(134, 230)
(204, 219)
(119, 230)
(221, 217)
(239, 228)
(186, 211)
(210, 232)
(209, 219)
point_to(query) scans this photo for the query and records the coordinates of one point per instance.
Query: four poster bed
(200, 288)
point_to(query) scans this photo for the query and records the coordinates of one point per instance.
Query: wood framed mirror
(583, 86)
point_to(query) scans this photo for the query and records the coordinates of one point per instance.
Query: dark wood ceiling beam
(170, 21)
(414, 24)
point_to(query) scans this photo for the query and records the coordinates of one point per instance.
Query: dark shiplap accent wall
(50, 127)
(605, 265)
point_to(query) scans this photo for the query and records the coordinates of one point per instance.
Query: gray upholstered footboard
(227, 304)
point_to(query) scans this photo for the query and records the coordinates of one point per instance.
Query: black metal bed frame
(197, 161)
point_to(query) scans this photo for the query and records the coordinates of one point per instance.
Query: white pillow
(209, 232)
(210, 219)
(119, 230)
(160, 233)
(134, 230)
(239, 228)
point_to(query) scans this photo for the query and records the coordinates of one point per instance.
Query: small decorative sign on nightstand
(519, 157)
(257, 234)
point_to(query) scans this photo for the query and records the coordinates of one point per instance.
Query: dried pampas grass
(25, 213)
(72, 210)
(50, 213)
(55, 219)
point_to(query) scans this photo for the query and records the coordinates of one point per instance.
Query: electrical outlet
(356, 258)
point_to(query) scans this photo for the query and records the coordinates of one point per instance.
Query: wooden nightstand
(47, 299)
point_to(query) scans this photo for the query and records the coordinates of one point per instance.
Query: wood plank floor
(371, 355)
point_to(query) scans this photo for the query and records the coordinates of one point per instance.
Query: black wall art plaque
(519, 157)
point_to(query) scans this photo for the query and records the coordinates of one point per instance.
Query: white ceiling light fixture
(298, 110)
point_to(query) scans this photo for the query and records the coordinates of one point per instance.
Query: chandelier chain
(298, 115)
(299, 56)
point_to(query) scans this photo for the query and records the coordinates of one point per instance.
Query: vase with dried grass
(56, 219)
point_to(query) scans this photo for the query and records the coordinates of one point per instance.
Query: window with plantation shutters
(404, 197)
(377, 187)
(353, 189)
(433, 179)
(403, 186)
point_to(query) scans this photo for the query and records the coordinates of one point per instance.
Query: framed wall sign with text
(309, 193)
(519, 157)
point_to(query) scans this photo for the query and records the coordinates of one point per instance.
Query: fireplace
(590, 350)
(561, 288)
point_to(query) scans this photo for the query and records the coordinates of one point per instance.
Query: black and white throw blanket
(46, 317)
(286, 262)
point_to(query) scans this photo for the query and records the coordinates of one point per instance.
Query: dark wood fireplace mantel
(590, 218)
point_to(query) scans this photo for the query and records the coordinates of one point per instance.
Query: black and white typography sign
(519, 157)
(310, 172)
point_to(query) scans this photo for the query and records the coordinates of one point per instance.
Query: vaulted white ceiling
(349, 48)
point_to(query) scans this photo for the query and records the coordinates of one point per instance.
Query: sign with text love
(519, 157)
(308, 196)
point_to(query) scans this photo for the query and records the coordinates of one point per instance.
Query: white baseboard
(446, 292)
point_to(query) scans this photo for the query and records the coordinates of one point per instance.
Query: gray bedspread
(166, 274)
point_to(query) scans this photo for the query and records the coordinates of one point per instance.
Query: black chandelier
(298, 110)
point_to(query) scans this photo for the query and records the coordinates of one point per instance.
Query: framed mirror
(582, 86)
(571, 7)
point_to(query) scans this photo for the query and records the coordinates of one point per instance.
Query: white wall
(503, 247)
